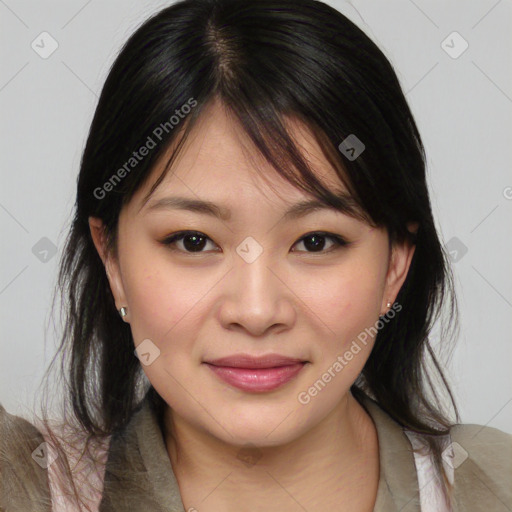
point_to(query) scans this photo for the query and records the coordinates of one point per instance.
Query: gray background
(463, 107)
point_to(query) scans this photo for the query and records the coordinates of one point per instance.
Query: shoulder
(488, 447)
(23, 480)
(482, 466)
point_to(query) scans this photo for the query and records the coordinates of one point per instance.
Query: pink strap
(431, 497)
(88, 477)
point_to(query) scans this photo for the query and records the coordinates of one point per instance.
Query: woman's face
(253, 285)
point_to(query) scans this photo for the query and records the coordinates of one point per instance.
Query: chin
(274, 426)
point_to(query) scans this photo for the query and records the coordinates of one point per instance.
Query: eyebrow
(346, 204)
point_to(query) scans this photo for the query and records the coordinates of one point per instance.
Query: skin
(290, 300)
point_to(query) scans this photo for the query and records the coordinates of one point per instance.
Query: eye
(195, 242)
(191, 241)
(316, 242)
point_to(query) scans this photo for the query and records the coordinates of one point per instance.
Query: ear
(400, 261)
(111, 264)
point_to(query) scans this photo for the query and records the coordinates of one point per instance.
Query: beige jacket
(483, 481)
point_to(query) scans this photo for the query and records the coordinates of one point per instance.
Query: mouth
(256, 374)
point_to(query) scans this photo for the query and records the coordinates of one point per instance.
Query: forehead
(218, 159)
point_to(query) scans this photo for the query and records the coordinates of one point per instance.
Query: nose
(258, 299)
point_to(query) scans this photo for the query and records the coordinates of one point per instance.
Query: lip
(256, 374)
(248, 361)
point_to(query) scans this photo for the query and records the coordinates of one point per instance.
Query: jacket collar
(398, 488)
(154, 487)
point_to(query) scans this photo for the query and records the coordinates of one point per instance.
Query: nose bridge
(255, 282)
(256, 299)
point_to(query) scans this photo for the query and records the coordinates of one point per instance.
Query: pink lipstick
(256, 374)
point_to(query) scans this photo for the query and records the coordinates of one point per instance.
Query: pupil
(197, 244)
(317, 244)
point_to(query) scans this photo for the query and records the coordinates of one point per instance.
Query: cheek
(349, 304)
(165, 303)
(163, 298)
(346, 299)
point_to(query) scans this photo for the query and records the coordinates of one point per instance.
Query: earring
(123, 312)
(388, 305)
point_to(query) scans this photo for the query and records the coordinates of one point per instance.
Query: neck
(336, 460)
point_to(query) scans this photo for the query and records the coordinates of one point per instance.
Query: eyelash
(339, 242)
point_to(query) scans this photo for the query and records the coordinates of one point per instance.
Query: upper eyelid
(185, 232)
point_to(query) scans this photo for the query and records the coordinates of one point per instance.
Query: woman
(251, 277)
